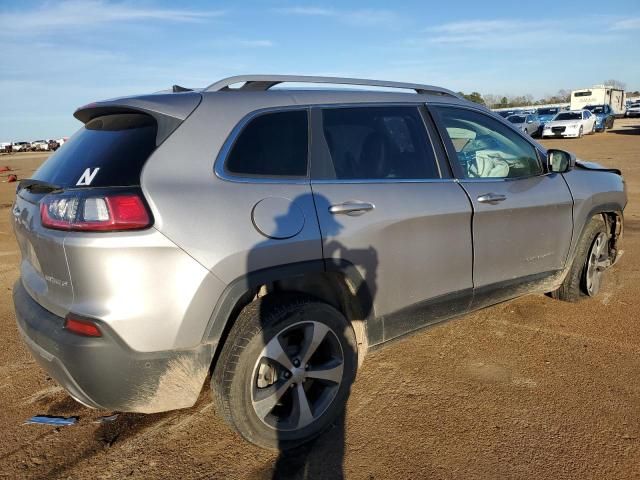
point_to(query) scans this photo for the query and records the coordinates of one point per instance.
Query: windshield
(547, 111)
(595, 108)
(568, 116)
(516, 119)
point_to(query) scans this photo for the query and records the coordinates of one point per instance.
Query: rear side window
(273, 144)
(372, 143)
(108, 151)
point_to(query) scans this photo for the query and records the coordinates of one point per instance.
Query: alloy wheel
(297, 376)
(597, 262)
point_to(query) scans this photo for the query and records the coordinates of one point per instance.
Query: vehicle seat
(375, 156)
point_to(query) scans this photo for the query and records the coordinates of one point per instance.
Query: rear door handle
(351, 208)
(491, 198)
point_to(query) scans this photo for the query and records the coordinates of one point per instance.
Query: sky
(57, 56)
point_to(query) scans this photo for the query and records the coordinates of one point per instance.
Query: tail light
(83, 327)
(94, 211)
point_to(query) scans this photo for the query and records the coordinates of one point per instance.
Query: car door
(387, 208)
(522, 221)
(531, 128)
(588, 121)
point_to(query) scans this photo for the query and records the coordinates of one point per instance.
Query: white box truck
(599, 95)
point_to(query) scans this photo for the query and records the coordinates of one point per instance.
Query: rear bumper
(104, 372)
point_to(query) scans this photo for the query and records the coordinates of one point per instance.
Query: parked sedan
(529, 124)
(604, 116)
(21, 146)
(574, 123)
(633, 110)
(547, 113)
(40, 145)
(508, 113)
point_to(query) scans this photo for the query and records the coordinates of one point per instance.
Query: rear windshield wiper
(38, 186)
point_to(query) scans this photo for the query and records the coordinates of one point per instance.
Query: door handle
(492, 198)
(352, 209)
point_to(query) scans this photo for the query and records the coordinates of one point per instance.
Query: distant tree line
(509, 101)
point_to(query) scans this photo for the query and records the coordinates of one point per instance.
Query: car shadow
(626, 130)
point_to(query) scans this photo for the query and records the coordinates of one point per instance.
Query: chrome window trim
(383, 180)
(219, 163)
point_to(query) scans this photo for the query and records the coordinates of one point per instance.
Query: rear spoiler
(592, 166)
(168, 109)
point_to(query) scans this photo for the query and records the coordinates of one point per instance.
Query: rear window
(273, 144)
(108, 151)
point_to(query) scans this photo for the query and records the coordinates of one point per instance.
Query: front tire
(580, 132)
(285, 370)
(592, 258)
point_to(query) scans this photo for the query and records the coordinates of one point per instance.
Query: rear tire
(577, 283)
(279, 404)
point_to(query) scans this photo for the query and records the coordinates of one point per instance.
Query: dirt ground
(529, 388)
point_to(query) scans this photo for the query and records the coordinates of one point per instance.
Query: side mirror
(559, 161)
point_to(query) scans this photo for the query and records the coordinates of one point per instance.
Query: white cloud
(507, 34)
(363, 17)
(87, 14)
(310, 11)
(253, 43)
(627, 24)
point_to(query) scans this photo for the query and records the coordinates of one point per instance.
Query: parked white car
(573, 123)
(633, 110)
(40, 145)
(21, 146)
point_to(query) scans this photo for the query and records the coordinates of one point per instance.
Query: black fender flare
(237, 290)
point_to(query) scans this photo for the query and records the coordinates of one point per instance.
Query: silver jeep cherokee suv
(269, 237)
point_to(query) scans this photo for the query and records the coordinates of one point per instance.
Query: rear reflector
(85, 328)
(91, 212)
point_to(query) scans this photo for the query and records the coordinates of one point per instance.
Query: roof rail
(265, 82)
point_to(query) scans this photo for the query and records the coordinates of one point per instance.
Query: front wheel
(592, 258)
(580, 132)
(285, 371)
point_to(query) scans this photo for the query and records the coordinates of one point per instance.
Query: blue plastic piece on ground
(57, 421)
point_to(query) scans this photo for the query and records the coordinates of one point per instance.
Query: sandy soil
(529, 388)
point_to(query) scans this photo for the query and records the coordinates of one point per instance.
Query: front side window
(486, 148)
(372, 143)
(273, 145)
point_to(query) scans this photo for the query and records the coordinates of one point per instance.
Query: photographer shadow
(322, 457)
